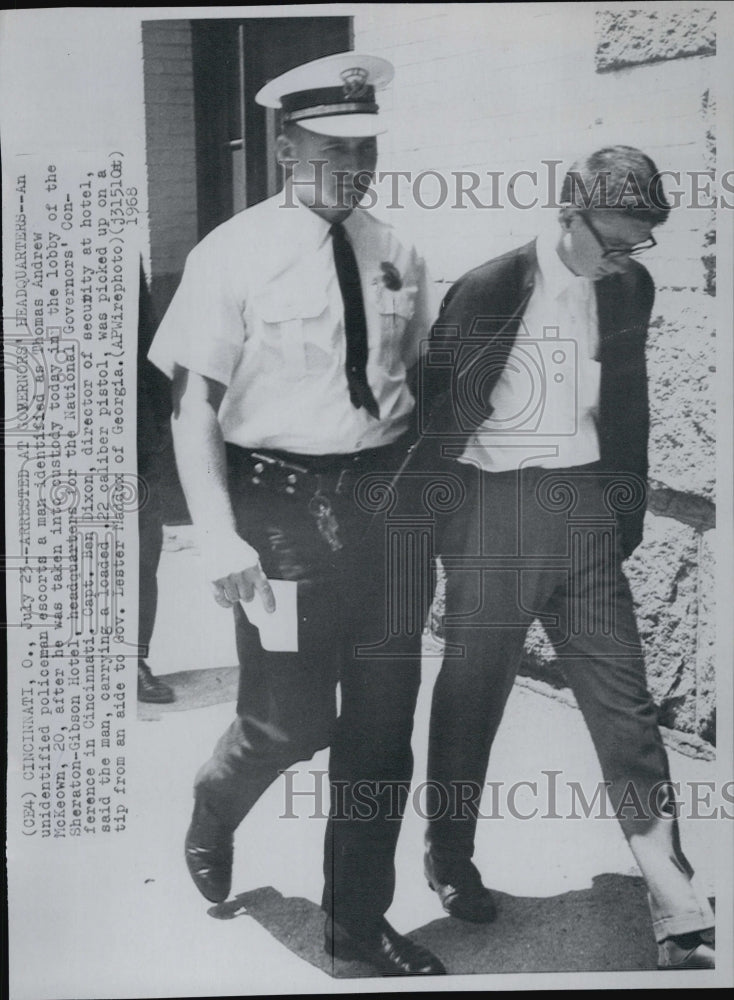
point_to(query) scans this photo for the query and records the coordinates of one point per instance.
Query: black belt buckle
(290, 473)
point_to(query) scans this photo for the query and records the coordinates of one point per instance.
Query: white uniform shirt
(546, 399)
(259, 310)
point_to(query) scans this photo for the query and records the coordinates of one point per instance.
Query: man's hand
(223, 553)
(242, 586)
(230, 565)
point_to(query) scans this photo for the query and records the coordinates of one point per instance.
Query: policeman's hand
(243, 586)
(233, 569)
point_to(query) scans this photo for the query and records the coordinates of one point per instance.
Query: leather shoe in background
(209, 850)
(383, 948)
(151, 689)
(458, 885)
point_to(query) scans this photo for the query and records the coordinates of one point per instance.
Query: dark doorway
(232, 60)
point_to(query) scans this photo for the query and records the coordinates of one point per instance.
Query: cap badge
(355, 83)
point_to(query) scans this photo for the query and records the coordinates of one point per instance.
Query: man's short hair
(620, 178)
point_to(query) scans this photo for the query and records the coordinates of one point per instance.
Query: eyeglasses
(608, 251)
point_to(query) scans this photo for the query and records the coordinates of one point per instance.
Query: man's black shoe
(458, 885)
(687, 951)
(385, 949)
(151, 689)
(209, 852)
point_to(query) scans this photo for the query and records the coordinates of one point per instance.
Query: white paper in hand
(279, 630)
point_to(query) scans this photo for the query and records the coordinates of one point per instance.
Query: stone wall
(476, 91)
(633, 37)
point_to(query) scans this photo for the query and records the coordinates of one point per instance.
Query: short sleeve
(203, 329)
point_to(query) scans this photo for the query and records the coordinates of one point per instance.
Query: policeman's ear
(286, 149)
(566, 216)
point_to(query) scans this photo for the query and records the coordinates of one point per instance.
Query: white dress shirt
(259, 310)
(546, 400)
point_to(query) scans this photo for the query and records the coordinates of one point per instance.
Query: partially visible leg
(370, 769)
(286, 711)
(150, 533)
(599, 650)
(286, 704)
(677, 904)
(492, 594)
(468, 703)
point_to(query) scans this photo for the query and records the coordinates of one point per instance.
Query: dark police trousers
(286, 708)
(542, 543)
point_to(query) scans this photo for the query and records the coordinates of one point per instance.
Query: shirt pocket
(288, 324)
(395, 309)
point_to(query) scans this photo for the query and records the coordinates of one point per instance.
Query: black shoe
(151, 689)
(384, 948)
(458, 885)
(209, 852)
(687, 951)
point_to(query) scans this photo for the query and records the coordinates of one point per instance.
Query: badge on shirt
(391, 276)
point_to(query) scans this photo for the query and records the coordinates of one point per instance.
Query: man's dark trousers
(286, 708)
(540, 543)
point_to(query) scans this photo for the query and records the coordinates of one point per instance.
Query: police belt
(297, 474)
(316, 480)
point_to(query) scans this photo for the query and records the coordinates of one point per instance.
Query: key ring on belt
(319, 506)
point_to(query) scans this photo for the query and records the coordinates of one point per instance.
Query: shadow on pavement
(194, 689)
(602, 929)
(296, 922)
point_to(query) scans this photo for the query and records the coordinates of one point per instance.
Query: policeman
(289, 344)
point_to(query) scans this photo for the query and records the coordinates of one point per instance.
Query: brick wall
(170, 143)
(505, 88)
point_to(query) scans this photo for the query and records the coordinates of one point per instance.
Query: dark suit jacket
(472, 339)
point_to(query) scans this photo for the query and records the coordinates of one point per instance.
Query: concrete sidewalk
(571, 897)
(122, 913)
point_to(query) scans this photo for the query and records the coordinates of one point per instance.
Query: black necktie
(355, 324)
